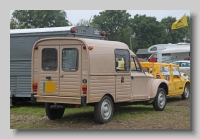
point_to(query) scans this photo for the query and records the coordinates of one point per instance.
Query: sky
(74, 16)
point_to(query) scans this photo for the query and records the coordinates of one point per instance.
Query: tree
(148, 31)
(175, 36)
(38, 19)
(115, 23)
(83, 22)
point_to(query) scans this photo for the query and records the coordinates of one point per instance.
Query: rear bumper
(55, 99)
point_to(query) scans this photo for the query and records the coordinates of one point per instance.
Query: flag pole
(188, 28)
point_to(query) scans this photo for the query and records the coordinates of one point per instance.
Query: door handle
(132, 77)
(61, 75)
(48, 77)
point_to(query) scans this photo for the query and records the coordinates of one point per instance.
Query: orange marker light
(84, 86)
(90, 47)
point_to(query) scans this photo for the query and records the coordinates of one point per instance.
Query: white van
(85, 72)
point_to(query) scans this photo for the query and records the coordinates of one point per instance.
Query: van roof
(93, 42)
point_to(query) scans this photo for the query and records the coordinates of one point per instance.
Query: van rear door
(60, 73)
(70, 70)
(49, 70)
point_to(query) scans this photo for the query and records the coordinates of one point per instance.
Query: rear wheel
(103, 110)
(53, 114)
(160, 100)
(186, 92)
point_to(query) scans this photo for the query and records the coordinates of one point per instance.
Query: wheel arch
(165, 87)
(187, 83)
(156, 84)
(112, 98)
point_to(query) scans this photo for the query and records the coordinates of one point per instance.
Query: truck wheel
(53, 114)
(160, 100)
(103, 110)
(186, 92)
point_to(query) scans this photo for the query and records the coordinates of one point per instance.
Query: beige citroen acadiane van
(85, 72)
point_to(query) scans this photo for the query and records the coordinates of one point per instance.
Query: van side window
(135, 66)
(122, 60)
(70, 59)
(49, 59)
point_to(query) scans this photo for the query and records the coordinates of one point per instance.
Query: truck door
(178, 83)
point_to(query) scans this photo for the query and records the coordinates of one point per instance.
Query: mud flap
(83, 101)
(33, 99)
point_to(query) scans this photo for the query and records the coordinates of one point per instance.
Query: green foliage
(118, 24)
(115, 23)
(174, 36)
(148, 31)
(83, 22)
(38, 19)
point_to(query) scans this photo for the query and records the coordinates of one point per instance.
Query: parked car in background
(184, 65)
(187, 58)
(178, 84)
(184, 75)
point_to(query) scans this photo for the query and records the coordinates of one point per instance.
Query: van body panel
(123, 88)
(99, 86)
(155, 85)
(57, 99)
(140, 85)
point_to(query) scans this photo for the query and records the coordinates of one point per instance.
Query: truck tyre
(103, 110)
(186, 92)
(53, 114)
(160, 100)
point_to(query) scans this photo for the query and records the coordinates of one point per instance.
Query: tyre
(103, 110)
(160, 100)
(53, 114)
(186, 92)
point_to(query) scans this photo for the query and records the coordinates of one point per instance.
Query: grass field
(176, 115)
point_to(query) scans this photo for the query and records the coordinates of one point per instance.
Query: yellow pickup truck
(170, 72)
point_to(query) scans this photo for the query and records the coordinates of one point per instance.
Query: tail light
(84, 88)
(34, 87)
(84, 47)
(36, 47)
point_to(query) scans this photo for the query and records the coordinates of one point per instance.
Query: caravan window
(70, 59)
(122, 60)
(166, 54)
(49, 59)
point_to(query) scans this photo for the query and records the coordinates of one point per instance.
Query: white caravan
(169, 52)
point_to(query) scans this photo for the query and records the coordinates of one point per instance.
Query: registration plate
(48, 87)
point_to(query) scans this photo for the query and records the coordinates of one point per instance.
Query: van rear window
(49, 59)
(70, 59)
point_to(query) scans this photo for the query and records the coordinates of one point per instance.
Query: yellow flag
(180, 23)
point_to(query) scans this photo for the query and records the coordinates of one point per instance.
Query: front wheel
(160, 100)
(186, 92)
(103, 110)
(53, 114)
